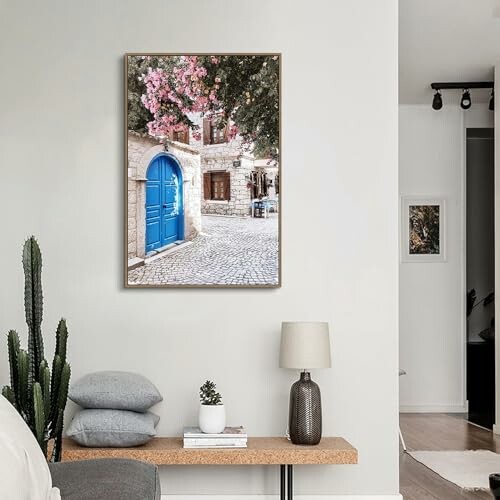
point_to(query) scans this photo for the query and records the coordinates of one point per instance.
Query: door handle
(164, 205)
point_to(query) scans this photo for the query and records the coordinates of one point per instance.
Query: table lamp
(305, 345)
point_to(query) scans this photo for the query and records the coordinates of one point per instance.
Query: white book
(198, 447)
(228, 432)
(215, 441)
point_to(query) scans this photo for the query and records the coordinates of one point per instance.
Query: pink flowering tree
(242, 91)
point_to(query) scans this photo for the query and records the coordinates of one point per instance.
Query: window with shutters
(217, 186)
(213, 131)
(181, 136)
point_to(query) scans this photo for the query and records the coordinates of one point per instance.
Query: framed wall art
(423, 229)
(203, 173)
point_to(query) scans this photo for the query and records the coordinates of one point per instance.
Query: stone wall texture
(141, 150)
(220, 157)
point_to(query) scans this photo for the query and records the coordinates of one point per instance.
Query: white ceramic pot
(212, 418)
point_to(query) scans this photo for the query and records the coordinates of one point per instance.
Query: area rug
(467, 469)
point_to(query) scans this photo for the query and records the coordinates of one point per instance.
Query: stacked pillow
(115, 410)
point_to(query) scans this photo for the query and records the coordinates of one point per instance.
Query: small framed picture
(423, 229)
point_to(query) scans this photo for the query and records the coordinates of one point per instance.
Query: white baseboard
(433, 408)
(275, 497)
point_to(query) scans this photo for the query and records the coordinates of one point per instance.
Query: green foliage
(249, 93)
(39, 398)
(208, 394)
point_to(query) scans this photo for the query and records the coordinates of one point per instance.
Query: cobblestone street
(229, 251)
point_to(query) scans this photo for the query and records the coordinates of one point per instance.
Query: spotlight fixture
(437, 102)
(491, 107)
(466, 101)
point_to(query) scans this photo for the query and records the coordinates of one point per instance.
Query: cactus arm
(39, 414)
(45, 385)
(41, 369)
(63, 387)
(56, 452)
(22, 384)
(33, 303)
(57, 368)
(59, 416)
(61, 339)
(8, 394)
(13, 349)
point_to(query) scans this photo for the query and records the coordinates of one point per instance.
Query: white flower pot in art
(212, 418)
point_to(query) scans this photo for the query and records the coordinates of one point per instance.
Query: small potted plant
(212, 416)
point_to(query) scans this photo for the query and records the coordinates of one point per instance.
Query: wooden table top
(260, 451)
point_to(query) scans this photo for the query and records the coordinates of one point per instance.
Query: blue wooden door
(164, 204)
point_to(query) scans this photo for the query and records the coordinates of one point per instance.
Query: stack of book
(230, 437)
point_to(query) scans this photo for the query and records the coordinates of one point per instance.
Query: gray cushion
(155, 417)
(111, 428)
(115, 390)
(106, 479)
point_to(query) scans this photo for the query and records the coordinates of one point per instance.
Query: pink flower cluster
(232, 132)
(170, 96)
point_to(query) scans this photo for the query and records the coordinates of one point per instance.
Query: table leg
(290, 482)
(282, 481)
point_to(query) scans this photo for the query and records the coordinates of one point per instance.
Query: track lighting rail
(462, 85)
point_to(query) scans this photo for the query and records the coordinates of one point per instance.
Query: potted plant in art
(212, 416)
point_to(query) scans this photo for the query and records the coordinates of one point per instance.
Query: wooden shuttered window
(180, 136)
(217, 186)
(227, 186)
(207, 186)
(206, 131)
(212, 133)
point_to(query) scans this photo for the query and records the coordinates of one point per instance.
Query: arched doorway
(164, 202)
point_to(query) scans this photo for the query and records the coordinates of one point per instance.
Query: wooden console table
(260, 451)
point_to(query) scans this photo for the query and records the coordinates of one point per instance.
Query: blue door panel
(153, 234)
(164, 203)
(170, 228)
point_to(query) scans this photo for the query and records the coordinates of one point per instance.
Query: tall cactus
(37, 394)
(33, 304)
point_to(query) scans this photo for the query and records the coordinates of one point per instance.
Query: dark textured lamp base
(495, 485)
(304, 422)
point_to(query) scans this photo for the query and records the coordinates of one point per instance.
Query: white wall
(62, 172)
(432, 296)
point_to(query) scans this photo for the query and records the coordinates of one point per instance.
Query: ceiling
(446, 40)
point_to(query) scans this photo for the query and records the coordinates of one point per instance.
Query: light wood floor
(437, 431)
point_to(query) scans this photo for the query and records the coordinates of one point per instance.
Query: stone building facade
(217, 179)
(226, 158)
(227, 173)
(141, 151)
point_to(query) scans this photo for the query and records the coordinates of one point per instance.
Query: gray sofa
(106, 479)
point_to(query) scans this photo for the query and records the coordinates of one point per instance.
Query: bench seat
(106, 479)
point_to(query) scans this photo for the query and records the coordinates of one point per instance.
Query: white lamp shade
(305, 345)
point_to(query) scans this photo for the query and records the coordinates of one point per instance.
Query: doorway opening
(480, 276)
